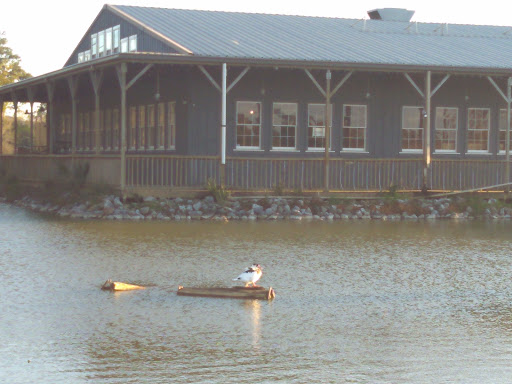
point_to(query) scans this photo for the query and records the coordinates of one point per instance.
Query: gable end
(130, 32)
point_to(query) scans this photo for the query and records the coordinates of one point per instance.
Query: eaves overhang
(186, 59)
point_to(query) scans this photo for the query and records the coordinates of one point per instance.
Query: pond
(356, 302)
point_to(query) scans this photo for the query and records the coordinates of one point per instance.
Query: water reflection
(253, 312)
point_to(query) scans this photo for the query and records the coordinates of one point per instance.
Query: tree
(10, 68)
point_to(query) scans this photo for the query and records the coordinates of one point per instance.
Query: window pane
(354, 126)
(284, 124)
(248, 124)
(412, 128)
(316, 125)
(478, 129)
(446, 123)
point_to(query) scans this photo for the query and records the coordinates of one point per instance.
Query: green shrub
(219, 193)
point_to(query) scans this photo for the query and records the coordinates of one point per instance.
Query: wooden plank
(260, 293)
(110, 285)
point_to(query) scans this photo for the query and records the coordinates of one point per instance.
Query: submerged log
(260, 293)
(110, 285)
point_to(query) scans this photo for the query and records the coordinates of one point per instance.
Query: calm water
(357, 302)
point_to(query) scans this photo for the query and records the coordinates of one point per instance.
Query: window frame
(455, 130)
(319, 149)
(141, 127)
(150, 127)
(170, 130)
(343, 127)
(132, 43)
(421, 129)
(108, 41)
(94, 45)
(133, 120)
(116, 39)
(288, 148)
(237, 124)
(502, 128)
(160, 126)
(487, 131)
(124, 45)
(101, 47)
(115, 128)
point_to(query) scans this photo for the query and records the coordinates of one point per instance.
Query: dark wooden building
(167, 98)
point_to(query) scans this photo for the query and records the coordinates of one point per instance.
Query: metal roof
(303, 38)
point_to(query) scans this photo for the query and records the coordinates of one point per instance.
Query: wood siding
(146, 42)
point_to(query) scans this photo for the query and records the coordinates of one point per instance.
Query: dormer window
(133, 43)
(124, 45)
(116, 38)
(108, 41)
(94, 45)
(101, 43)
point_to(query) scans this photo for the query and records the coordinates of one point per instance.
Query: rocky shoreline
(112, 207)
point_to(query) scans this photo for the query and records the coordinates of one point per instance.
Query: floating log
(118, 286)
(260, 293)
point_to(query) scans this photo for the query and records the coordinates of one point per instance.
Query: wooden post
(327, 129)
(15, 127)
(223, 127)
(426, 132)
(50, 89)
(507, 136)
(31, 127)
(73, 85)
(30, 94)
(96, 79)
(121, 75)
(1, 126)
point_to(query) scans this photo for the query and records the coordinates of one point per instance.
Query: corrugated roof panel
(245, 35)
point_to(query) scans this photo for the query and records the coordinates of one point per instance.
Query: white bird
(251, 275)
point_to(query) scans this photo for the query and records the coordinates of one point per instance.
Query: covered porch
(114, 157)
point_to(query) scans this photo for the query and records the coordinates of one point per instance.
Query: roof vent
(391, 14)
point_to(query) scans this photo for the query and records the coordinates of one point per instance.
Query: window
(115, 129)
(94, 45)
(101, 43)
(446, 129)
(108, 129)
(108, 41)
(478, 129)
(160, 134)
(316, 125)
(81, 57)
(151, 126)
(171, 125)
(102, 129)
(133, 127)
(87, 55)
(142, 126)
(248, 124)
(86, 132)
(116, 38)
(124, 45)
(133, 43)
(284, 125)
(412, 129)
(354, 127)
(79, 130)
(503, 131)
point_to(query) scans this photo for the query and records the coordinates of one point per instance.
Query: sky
(44, 33)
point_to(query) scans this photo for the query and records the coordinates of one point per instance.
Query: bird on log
(251, 275)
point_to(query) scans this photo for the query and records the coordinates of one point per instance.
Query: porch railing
(163, 171)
